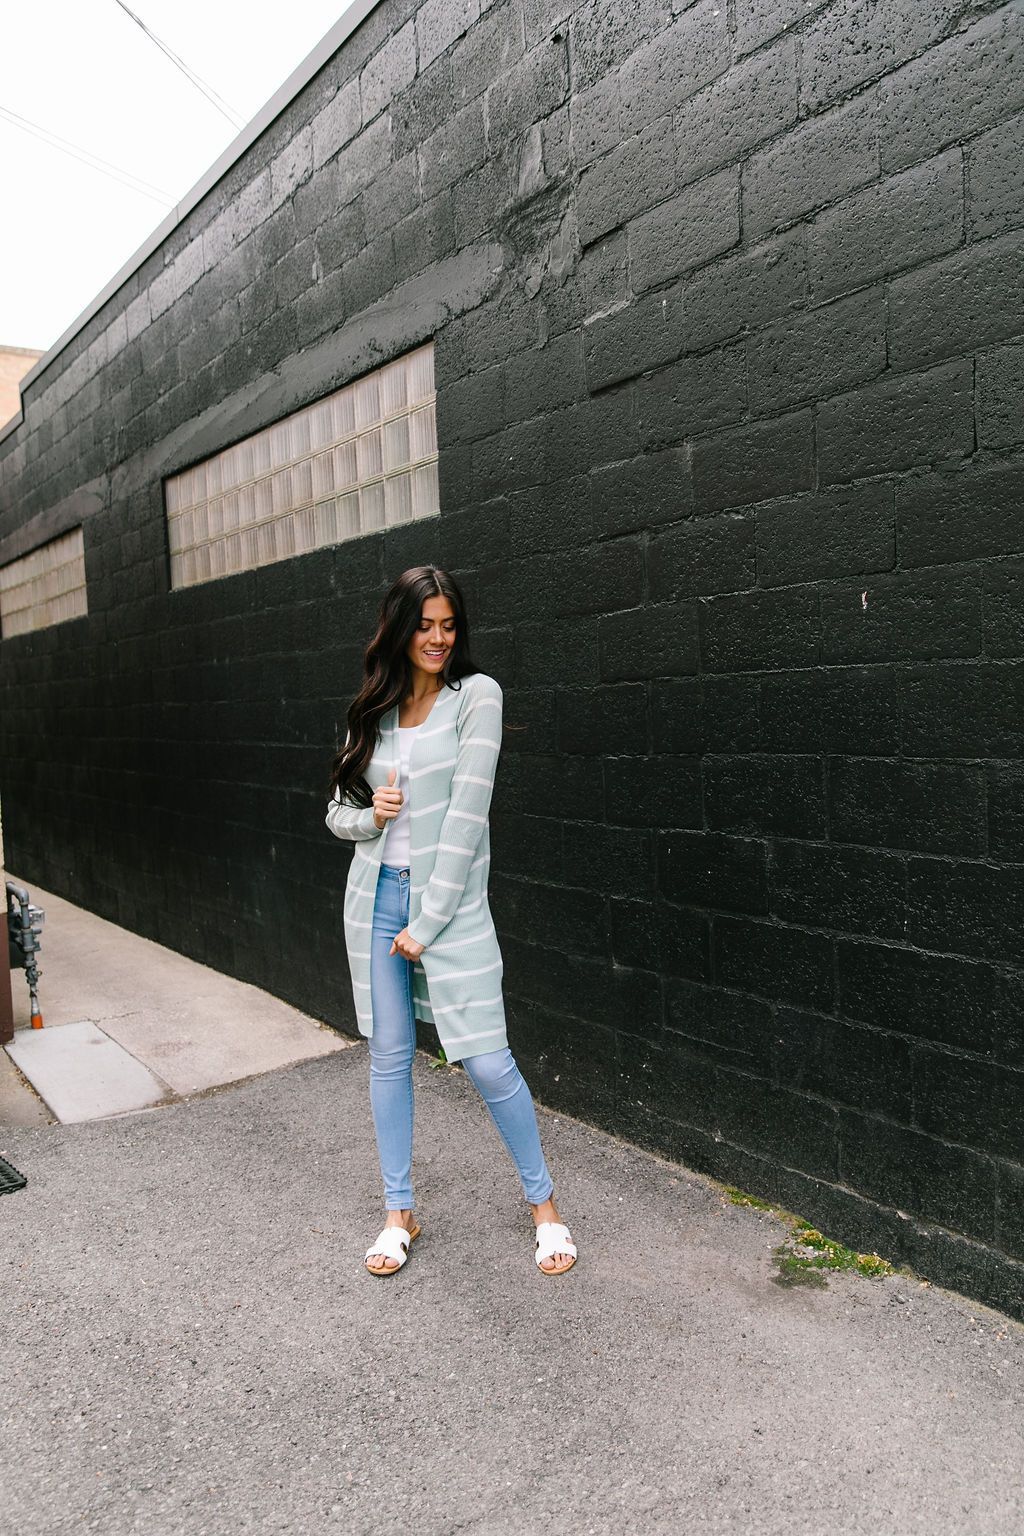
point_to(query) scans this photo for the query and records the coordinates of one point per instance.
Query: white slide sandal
(393, 1243)
(553, 1238)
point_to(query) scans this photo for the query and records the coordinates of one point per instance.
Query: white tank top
(398, 846)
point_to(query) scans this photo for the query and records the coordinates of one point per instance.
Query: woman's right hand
(387, 802)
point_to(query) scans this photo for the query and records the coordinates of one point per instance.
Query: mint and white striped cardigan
(452, 763)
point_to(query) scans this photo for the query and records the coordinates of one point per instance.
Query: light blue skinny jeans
(392, 1046)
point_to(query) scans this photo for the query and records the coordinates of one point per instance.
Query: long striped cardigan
(452, 763)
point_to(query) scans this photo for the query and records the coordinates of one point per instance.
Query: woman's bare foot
(546, 1212)
(394, 1219)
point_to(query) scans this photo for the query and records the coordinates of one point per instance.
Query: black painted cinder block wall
(727, 301)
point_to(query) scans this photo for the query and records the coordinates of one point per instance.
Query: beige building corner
(15, 362)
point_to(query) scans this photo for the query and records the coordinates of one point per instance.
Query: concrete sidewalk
(191, 1344)
(129, 1023)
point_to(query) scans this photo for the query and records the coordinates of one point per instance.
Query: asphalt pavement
(191, 1345)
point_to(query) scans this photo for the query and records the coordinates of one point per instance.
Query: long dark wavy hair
(388, 671)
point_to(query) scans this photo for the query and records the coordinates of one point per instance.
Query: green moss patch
(739, 1197)
(806, 1253)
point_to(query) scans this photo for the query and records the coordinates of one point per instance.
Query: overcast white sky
(85, 71)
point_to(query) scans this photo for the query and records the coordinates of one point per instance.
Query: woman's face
(429, 648)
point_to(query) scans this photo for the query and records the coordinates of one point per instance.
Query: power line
(86, 157)
(190, 74)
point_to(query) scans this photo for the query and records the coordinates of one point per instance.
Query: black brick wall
(728, 309)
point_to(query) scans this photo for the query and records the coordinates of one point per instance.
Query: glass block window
(362, 458)
(44, 587)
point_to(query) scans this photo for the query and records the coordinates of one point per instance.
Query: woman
(411, 788)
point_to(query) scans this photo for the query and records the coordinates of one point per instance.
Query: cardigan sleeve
(479, 732)
(354, 822)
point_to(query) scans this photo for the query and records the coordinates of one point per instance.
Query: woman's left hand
(406, 945)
